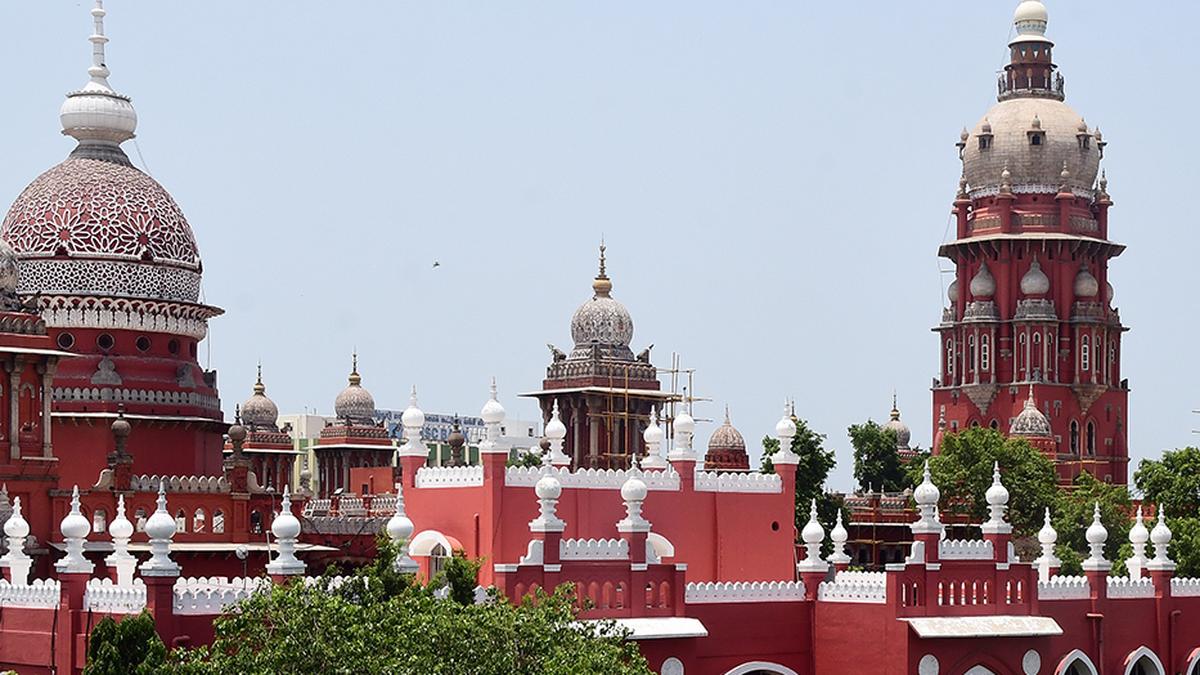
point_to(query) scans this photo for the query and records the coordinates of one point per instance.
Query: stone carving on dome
(981, 395)
(61, 311)
(1035, 281)
(109, 278)
(106, 373)
(726, 438)
(605, 324)
(1030, 421)
(981, 311)
(1079, 224)
(983, 284)
(601, 368)
(1035, 309)
(259, 412)
(1088, 311)
(92, 208)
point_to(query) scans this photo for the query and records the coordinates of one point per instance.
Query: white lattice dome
(1031, 422)
(100, 227)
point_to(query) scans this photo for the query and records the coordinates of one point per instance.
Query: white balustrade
(713, 592)
(150, 483)
(213, 594)
(104, 597)
(449, 476)
(1064, 588)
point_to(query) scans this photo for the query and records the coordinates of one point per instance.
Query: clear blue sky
(772, 179)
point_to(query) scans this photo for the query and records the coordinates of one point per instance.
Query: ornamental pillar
(47, 396)
(14, 409)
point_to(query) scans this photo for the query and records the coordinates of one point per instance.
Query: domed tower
(353, 440)
(726, 449)
(604, 392)
(115, 272)
(903, 433)
(269, 449)
(1031, 254)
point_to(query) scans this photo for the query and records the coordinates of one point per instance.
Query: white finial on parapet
(927, 497)
(1160, 536)
(74, 528)
(16, 529)
(1047, 538)
(548, 489)
(1138, 536)
(633, 492)
(785, 431)
(286, 529)
(653, 436)
(160, 527)
(400, 530)
(413, 421)
(997, 499)
(1097, 536)
(813, 535)
(684, 426)
(120, 529)
(839, 537)
(556, 433)
(493, 416)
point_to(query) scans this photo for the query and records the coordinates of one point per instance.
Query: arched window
(256, 522)
(1144, 662)
(970, 352)
(139, 519)
(985, 354)
(218, 522)
(1021, 364)
(99, 521)
(180, 521)
(1091, 439)
(1085, 353)
(950, 357)
(437, 559)
(1074, 437)
(198, 521)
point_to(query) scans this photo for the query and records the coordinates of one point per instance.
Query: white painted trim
(1070, 659)
(1193, 662)
(761, 665)
(1137, 654)
(423, 543)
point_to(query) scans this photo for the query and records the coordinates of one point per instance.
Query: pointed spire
(74, 528)
(1097, 536)
(16, 529)
(839, 537)
(927, 496)
(1160, 537)
(602, 285)
(160, 528)
(895, 410)
(96, 114)
(997, 499)
(1138, 536)
(120, 530)
(259, 387)
(812, 535)
(399, 530)
(355, 379)
(556, 434)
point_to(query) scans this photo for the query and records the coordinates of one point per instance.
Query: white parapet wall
(965, 549)
(593, 479)
(39, 594)
(1184, 587)
(150, 483)
(211, 595)
(104, 597)
(1124, 587)
(1064, 588)
(449, 476)
(711, 481)
(855, 587)
(712, 592)
(593, 549)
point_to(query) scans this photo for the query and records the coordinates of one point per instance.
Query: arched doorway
(1144, 662)
(979, 670)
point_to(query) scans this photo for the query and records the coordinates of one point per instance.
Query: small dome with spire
(1031, 18)
(1031, 422)
(260, 412)
(952, 293)
(1035, 281)
(1086, 285)
(983, 285)
(355, 404)
(726, 438)
(894, 424)
(602, 322)
(96, 113)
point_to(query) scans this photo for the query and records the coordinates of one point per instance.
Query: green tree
(811, 473)
(525, 458)
(876, 460)
(129, 646)
(962, 470)
(1072, 514)
(1174, 482)
(331, 628)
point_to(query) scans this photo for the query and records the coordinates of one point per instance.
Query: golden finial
(259, 387)
(602, 285)
(355, 378)
(895, 409)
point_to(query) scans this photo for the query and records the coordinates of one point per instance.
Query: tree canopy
(876, 460)
(1174, 482)
(962, 470)
(1072, 513)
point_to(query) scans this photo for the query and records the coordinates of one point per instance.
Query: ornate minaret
(1030, 303)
